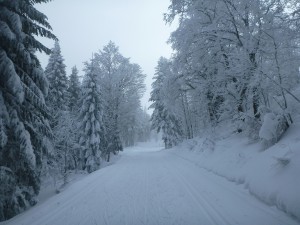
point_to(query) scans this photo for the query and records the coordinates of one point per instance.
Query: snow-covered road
(150, 186)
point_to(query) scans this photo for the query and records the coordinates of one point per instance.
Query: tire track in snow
(146, 188)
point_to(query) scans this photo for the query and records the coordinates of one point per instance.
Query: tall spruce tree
(57, 100)
(74, 90)
(58, 81)
(24, 127)
(91, 120)
(70, 123)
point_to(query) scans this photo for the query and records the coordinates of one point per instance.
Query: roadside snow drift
(272, 175)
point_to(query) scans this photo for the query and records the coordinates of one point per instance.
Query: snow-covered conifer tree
(68, 129)
(24, 127)
(74, 90)
(92, 138)
(57, 100)
(58, 81)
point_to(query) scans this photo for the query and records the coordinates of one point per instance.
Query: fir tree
(74, 90)
(24, 128)
(69, 122)
(91, 116)
(58, 81)
(57, 100)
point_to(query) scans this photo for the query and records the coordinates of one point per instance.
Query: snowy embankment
(272, 175)
(54, 185)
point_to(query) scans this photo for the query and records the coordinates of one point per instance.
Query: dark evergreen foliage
(58, 81)
(92, 138)
(74, 90)
(24, 127)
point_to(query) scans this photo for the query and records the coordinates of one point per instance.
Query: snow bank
(54, 185)
(272, 175)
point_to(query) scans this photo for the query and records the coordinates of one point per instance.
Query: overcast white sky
(84, 27)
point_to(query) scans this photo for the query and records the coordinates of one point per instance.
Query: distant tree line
(95, 119)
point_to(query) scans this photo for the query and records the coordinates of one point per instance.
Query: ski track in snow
(150, 186)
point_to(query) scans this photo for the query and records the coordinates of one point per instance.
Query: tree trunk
(108, 157)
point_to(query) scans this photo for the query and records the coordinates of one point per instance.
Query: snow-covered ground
(152, 186)
(52, 185)
(271, 175)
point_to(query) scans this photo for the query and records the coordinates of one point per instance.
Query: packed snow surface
(148, 185)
